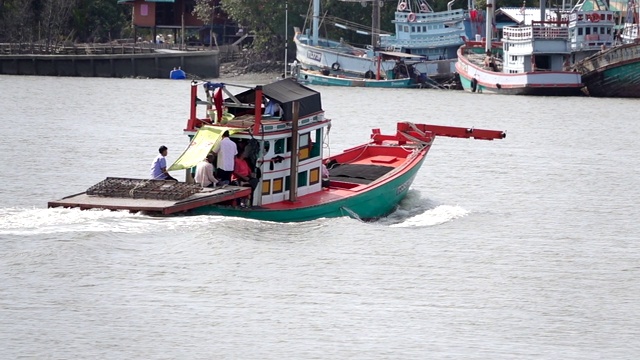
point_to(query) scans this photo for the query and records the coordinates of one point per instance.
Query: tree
(100, 20)
(205, 11)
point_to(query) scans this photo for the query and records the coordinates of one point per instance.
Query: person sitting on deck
(159, 166)
(242, 174)
(490, 61)
(204, 172)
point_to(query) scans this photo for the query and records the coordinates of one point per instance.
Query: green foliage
(52, 21)
(100, 20)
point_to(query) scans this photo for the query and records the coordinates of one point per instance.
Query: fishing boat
(426, 38)
(282, 126)
(614, 71)
(530, 60)
(397, 78)
(310, 77)
(434, 35)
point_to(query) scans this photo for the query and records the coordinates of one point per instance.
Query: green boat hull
(313, 79)
(370, 204)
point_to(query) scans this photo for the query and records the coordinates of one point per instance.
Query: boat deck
(150, 196)
(478, 60)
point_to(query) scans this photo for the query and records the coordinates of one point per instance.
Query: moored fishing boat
(615, 71)
(530, 60)
(426, 38)
(310, 77)
(282, 128)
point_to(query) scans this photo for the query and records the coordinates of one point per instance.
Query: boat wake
(37, 221)
(415, 211)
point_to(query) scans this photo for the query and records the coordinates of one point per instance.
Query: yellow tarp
(201, 144)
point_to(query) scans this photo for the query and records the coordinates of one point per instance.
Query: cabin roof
(285, 92)
(288, 90)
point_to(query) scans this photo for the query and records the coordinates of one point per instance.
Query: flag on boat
(201, 145)
(217, 99)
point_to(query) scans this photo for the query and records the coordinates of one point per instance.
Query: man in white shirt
(204, 172)
(226, 150)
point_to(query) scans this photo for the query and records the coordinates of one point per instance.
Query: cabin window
(265, 147)
(277, 185)
(314, 176)
(304, 146)
(609, 31)
(302, 179)
(424, 29)
(278, 147)
(315, 145)
(419, 28)
(413, 29)
(286, 183)
(579, 31)
(602, 30)
(406, 28)
(587, 31)
(266, 187)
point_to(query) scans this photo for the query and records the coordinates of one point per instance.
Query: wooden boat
(423, 36)
(530, 60)
(615, 71)
(286, 152)
(310, 77)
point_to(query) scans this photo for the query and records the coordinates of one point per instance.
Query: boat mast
(316, 20)
(286, 35)
(375, 23)
(488, 28)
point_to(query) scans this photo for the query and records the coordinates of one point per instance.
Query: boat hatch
(382, 159)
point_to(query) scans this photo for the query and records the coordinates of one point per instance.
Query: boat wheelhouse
(591, 28)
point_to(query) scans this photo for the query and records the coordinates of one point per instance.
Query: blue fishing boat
(317, 78)
(426, 39)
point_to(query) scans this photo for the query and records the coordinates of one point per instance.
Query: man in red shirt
(243, 175)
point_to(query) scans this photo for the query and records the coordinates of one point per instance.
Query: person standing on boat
(159, 166)
(226, 150)
(204, 172)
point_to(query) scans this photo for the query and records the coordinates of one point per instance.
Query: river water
(522, 248)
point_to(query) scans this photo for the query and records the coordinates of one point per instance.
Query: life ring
(424, 7)
(402, 6)
(335, 66)
(411, 17)
(595, 17)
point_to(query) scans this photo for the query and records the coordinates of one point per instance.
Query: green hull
(314, 79)
(370, 204)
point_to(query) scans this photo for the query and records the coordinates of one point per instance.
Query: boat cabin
(421, 31)
(280, 125)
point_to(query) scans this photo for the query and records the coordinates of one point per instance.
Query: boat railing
(433, 42)
(538, 30)
(439, 16)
